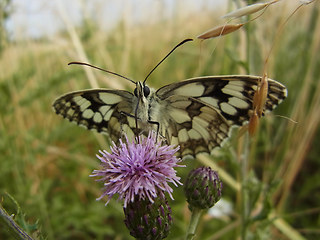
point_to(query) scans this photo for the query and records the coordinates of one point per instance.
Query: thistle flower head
(142, 167)
(202, 188)
(147, 220)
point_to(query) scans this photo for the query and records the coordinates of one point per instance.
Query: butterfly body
(197, 113)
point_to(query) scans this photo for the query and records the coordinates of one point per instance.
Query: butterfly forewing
(231, 96)
(98, 109)
(195, 114)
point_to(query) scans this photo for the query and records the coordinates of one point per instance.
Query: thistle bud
(202, 188)
(148, 220)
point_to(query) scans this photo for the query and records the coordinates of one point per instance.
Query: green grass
(46, 161)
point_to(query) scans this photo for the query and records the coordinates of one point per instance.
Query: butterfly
(196, 114)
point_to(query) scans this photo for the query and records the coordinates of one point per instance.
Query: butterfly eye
(146, 91)
(135, 92)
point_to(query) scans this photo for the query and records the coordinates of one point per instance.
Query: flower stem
(244, 191)
(196, 213)
(16, 230)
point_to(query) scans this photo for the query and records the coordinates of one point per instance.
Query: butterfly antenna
(181, 43)
(101, 69)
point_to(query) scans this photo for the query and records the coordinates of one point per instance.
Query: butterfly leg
(135, 130)
(158, 126)
(136, 114)
(158, 131)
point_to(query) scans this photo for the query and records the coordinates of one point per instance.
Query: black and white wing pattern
(195, 114)
(202, 110)
(97, 109)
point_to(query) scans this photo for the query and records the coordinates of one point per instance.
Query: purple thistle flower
(140, 168)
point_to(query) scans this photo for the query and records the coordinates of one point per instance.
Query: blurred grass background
(46, 161)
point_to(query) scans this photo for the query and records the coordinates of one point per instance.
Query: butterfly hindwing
(193, 125)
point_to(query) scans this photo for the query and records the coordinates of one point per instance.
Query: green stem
(244, 191)
(244, 167)
(196, 213)
(13, 226)
(248, 42)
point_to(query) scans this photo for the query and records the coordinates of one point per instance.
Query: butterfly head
(141, 91)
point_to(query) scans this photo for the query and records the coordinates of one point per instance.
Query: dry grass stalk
(77, 43)
(247, 10)
(260, 96)
(306, 2)
(253, 124)
(259, 102)
(220, 31)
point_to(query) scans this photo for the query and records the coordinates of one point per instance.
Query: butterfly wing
(195, 114)
(202, 110)
(100, 109)
(231, 95)
(193, 125)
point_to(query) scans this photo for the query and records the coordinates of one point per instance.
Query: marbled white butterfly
(195, 114)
